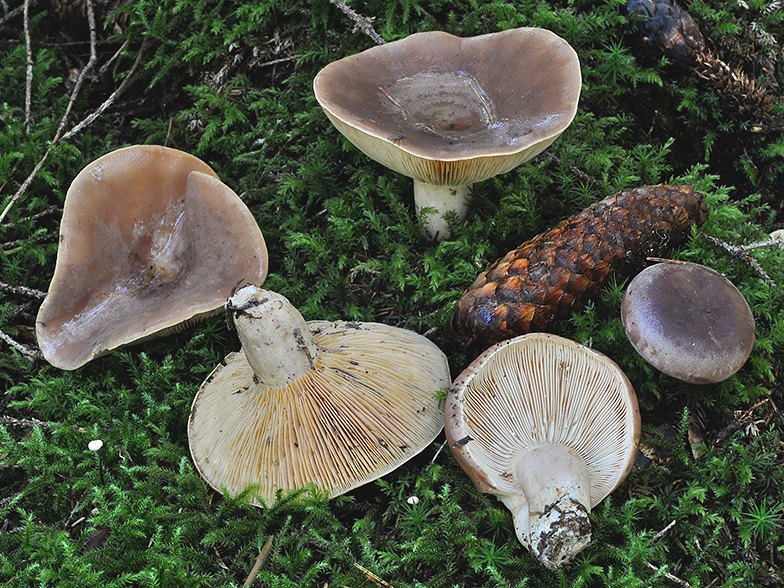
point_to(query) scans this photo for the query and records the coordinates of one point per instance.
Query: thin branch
(20, 424)
(668, 575)
(361, 23)
(741, 253)
(23, 349)
(260, 560)
(22, 291)
(108, 102)
(29, 75)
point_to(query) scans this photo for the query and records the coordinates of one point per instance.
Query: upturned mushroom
(332, 404)
(150, 241)
(550, 427)
(450, 111)
(688, 321)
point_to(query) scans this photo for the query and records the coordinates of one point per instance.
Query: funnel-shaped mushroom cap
(688, 321)
(470, 108)
(450, 111)
(539, 421)
(333, 404)
(150, 238)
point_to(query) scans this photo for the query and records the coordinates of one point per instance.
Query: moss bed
(231, 82)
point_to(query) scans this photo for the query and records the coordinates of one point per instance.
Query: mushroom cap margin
(113, 213)
(688, 321)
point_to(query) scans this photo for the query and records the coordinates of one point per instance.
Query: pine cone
(672, 32)
(555, 273)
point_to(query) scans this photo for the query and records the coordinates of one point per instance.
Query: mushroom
(450, 111)
(332, 404)
(688, 321)
(550, 427)
(150, 240)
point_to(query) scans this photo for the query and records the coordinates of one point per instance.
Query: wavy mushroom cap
(447, 110)
(688, 321)
(150, 240)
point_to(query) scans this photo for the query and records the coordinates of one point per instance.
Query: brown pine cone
(555, 273)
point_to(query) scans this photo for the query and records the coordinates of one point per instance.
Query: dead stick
(361, 23)
(29, 74)
(262, 557)
(23, 349)
(668, 575)
(64, 119)
(741, 254)
(108, 102)
(22, 290)
(13, 423)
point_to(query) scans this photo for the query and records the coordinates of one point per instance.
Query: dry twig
(29, 74)
(19, 424)
(741, 253)
(260, 560)
(23, 349)
(373, 578)
(22, 291)
(361, 23)
(59, 135)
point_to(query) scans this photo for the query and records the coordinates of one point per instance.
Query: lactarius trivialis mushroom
(150, 240)
(688, 321)
(450, 111)
(332, 404)
(550, 427)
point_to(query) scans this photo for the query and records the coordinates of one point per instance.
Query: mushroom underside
(368, 405)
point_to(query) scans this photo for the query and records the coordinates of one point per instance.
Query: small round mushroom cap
(550, 427)
(688, 321)
(333, 404)
(450, 111)
(150, 240)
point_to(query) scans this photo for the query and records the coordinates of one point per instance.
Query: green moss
(231, 82)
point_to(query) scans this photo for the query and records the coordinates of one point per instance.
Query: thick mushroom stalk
(275, 337)
(555, 521)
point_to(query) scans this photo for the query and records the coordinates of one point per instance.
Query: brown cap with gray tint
(150, 240)
(449, 111)
(688, 321)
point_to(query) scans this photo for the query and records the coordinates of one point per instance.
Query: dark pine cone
(553, 274)
(670, 30)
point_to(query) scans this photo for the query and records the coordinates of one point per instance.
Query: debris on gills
(671, 31)
(557, 272)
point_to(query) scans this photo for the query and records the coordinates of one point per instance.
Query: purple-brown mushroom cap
(450, 111)
(688, 321)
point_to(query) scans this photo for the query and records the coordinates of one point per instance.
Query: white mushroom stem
(555, 524)
(443, 199)
(275, 337)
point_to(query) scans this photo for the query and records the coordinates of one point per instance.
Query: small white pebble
(95, 445)
(413, 500)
